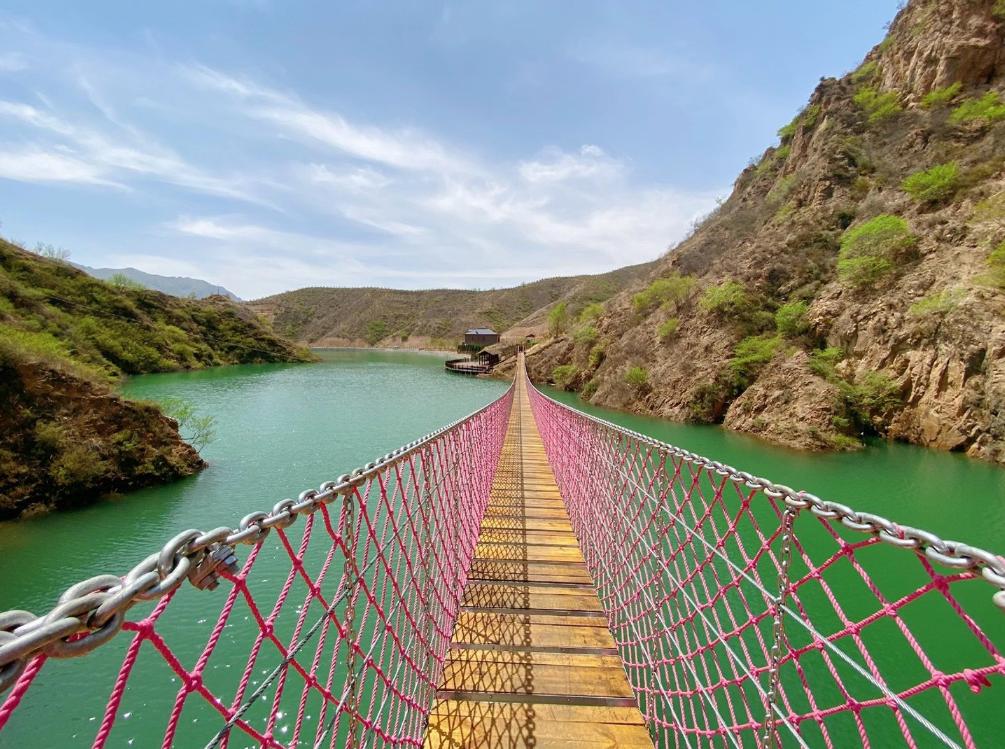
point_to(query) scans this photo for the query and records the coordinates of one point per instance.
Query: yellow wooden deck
(531, 663)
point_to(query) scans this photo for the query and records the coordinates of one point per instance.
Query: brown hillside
(428, 318)
(855, 279)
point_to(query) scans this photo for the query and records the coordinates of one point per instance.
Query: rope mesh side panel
(743, 621)
(341, 624)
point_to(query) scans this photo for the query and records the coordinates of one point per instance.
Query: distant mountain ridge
(431, 318)
(181, 286)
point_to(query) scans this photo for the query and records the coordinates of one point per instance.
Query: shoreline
(438, 352)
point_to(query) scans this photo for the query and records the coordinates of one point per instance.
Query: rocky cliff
(854, 281)
(66, 437)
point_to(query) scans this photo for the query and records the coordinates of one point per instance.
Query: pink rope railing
(749, 614)
(341, 628)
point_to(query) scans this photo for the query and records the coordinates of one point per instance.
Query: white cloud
(399, 148)
(556, 166)
(34, 164)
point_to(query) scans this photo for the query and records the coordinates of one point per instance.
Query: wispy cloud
(33, 164)
(626, 60)
(399, 148)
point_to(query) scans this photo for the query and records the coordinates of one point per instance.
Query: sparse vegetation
(933, 185)
(991, 209)
(590, 313)
(586, 335)
(870, 397)
(196, 429)
(989, 108)
(589, 389)
(941, 96)
(597, 354)
(823, 362)
(122, 281)
(668, 328)
(805, 120)
(558, 319)
(637, 377)
(939, 303)
(750, 356)
(728, 298)
(672, 291)
(871, 250)
(865, 72)
(564, 375)
(998, 11)
(790, 318)
(376, 331)
(996, 262)
(878, 105)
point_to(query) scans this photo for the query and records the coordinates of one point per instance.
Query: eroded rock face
(920, 351)
(789, 405)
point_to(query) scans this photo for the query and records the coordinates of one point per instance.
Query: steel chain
(91, 612)
(954, 554)
(769, 735)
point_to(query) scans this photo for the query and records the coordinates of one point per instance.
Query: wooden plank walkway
(531, 663)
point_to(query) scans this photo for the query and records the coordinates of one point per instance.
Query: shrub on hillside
(942, 96)
(871, 396)
(591, 312)
(589, 389)
(823, 362)
(673, 290)
(865, 72)
(558, 319)
(728, 298)
(563, 375)
(586, 335)
(870, 251)
(998, 11)
(637, 377)
(807, 119)
(597, 354)
(989, 108)
(790, 318)
(933, 185)
(668, 328)
(878, 105)
(750, 356)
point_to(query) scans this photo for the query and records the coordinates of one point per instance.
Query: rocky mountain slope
(854, 281)
(434, 318)
(66, 437)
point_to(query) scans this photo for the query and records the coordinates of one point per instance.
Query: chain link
(91, 612)
(769, 734)
(953, 554)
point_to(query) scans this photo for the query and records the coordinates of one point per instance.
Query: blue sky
(266, 145)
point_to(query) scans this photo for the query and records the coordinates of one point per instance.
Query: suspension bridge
(530, 576)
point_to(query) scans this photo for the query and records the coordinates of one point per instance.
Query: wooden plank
(481, 628)
(531, 662)
(454, 724)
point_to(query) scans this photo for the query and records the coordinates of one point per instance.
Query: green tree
(558, 319)
(196, 429)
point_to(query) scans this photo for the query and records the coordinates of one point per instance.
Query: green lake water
(284, 428)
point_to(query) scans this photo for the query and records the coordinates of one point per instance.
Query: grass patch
(637, 377)
(989, 108)
(673, 291)
(750, 356)
(940, 303)
(564, 375)
(870, 251)
(933, 185)
(790, 318)
(996, 263)
(668, 329)
(941, 96)
(991, 209)
(878, 105)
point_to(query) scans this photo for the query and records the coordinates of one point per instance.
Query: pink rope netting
(879, 648)
(337, 634)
